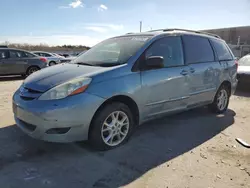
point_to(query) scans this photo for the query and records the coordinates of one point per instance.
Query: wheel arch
(31, 67)
(227, 84)
(132, 105)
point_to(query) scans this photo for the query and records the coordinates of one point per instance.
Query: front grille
(27, 98)
(33, 91)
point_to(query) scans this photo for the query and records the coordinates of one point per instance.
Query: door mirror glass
(155, 62)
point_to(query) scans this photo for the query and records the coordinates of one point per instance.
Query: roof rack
(193, 31)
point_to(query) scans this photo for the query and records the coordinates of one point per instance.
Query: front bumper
(64, 120)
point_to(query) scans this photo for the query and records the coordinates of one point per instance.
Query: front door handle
(184, 72)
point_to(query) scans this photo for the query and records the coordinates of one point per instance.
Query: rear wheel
(221, 100)
(52, 63)
(111, 127)
(32, 70)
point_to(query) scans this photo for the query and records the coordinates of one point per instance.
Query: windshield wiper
(109, 64)
(82, 63)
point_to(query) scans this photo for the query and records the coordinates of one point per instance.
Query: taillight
(236, 63)
(43, 59)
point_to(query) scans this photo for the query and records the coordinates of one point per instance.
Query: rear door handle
(184, 72)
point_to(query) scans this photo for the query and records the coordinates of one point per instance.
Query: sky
(87, 22)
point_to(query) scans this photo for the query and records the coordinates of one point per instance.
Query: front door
(17, 62)
(166, 89)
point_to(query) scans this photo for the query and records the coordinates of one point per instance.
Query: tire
(31, 70)
(52, 63)
(23, 75)
(217, 107)
(99, 132)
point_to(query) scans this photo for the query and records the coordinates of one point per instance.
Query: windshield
(111, 52)
(245, 61)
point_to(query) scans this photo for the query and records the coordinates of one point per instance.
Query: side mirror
(154, 62)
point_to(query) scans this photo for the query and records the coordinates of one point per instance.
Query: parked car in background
(244, 72)
(20, 62)
(125, 81)
(58, 55)
(52, 58)
(65, 55)
(67, 59)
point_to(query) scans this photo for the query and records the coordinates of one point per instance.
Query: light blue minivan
(124, 81)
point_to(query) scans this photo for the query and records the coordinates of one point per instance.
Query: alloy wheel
(222, 99)
(115, 128)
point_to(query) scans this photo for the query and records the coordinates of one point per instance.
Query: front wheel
(221, 100)
(111, 127)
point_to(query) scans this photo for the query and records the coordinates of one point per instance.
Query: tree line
(45, 47)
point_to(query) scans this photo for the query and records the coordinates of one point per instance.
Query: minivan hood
(50, 77)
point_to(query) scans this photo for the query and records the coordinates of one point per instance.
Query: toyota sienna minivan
(124, 81)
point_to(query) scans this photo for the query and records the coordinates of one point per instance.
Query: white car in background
(52, 58)
(243, 73)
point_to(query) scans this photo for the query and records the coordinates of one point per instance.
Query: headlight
(69, 88)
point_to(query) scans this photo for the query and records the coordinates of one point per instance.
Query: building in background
(238, 38)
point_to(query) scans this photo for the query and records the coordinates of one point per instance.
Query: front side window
(222, 50)
(17, 54)
(170, 48)
(3, 54)
(197, 49)
(111, 52)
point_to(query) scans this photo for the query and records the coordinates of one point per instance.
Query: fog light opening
(58, 130)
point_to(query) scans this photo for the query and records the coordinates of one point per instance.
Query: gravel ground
(192, 149)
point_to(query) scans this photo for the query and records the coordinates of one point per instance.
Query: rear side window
(17, 54)
(37, 53)
(20, 54)
(3, 54)
(197, 49)
(222, 50)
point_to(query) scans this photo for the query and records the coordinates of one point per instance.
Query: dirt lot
(192, 149)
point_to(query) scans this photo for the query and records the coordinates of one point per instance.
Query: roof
(8, 48)
(175, 30)
(15, 49)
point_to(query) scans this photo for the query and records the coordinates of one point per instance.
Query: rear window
(197, 49)
(222, 50)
